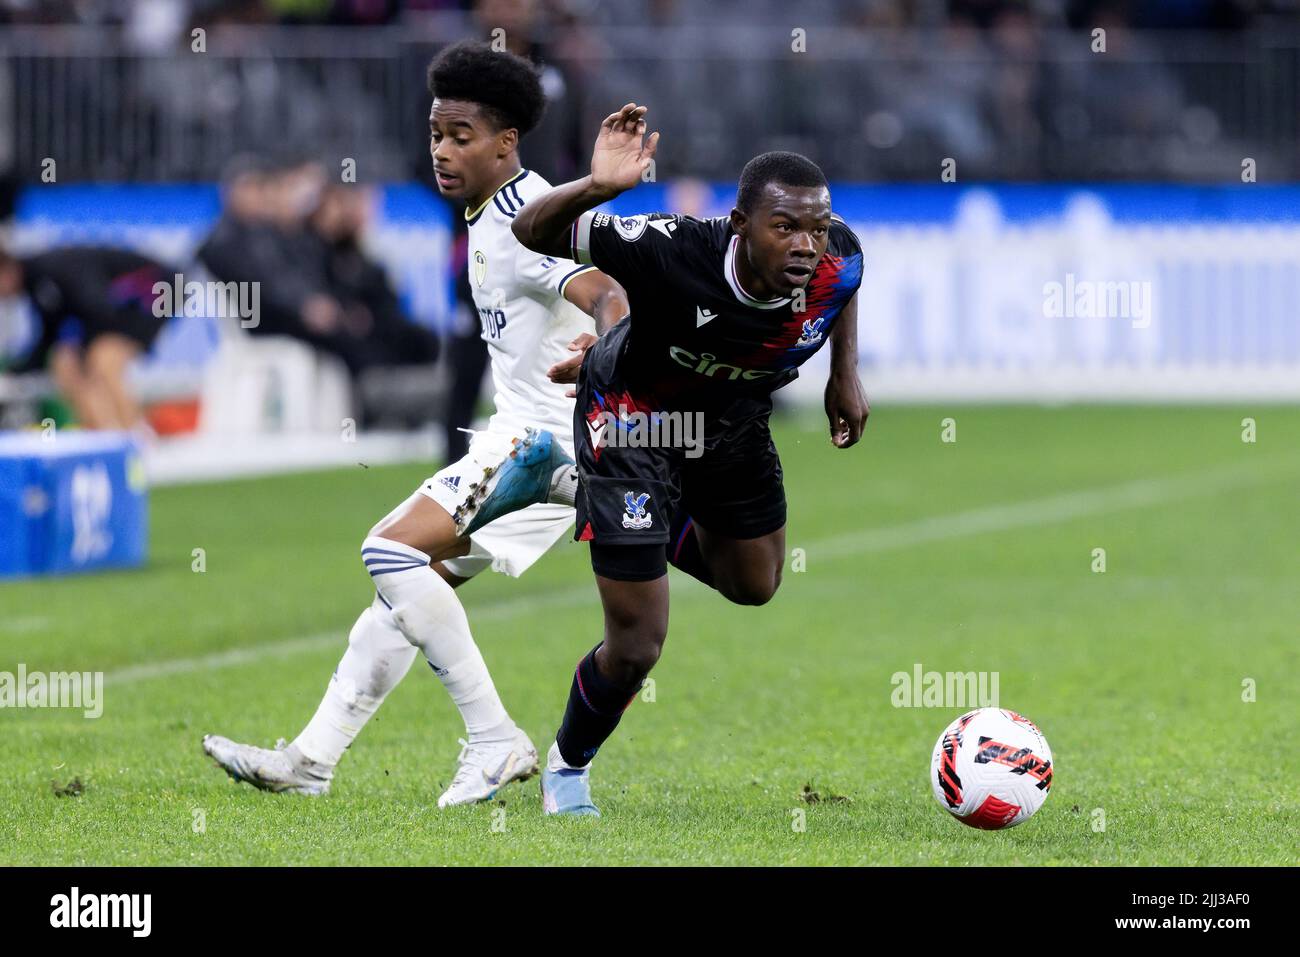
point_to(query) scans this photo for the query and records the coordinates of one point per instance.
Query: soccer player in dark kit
(95, 306)
(723, 311)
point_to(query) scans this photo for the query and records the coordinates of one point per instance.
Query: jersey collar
(733, 280)
(472, 217)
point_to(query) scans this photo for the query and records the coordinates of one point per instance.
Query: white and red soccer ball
(991, 769)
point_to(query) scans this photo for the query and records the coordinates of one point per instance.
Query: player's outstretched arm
(623, 152)
(846, 400)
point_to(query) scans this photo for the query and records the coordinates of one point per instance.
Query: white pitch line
(17, 626)
(291, 646)
(996, 518)
(221, 659)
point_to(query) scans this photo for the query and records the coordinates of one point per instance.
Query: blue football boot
(568, 791)
(526, 477)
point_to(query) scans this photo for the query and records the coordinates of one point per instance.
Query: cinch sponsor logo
(103, 910)
(55, 689)
(705, 365)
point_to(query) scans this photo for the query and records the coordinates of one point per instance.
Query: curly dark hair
(505, 87)
(788, 169)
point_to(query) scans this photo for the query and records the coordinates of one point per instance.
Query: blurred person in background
(360, 284)
(260, 238)
(557, 148)
(361, 287)
(95, 316)
(285, 229)
(1135, 100)
(467, 357)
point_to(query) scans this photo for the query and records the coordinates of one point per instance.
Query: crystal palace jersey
(695, 339)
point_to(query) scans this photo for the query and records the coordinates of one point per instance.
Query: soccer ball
(991, 769)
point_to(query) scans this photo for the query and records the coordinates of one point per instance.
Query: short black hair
(788, 169)
(506, 87)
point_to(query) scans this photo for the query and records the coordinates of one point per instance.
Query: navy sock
(595, 706)
(684, 549)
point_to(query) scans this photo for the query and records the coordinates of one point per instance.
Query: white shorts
(513, 542)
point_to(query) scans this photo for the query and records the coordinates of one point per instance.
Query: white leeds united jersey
(526, 321)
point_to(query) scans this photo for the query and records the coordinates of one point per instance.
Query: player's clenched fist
(623, 151)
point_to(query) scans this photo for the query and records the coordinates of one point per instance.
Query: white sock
(564, 486)
(432, 618)
(555, 761)
(377, 658)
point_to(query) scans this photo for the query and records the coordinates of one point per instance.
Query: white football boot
(284, 769)
(486, 768)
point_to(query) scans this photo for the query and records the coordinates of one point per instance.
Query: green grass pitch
(973, 555)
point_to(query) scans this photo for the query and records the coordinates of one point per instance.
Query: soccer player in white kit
(510, 498)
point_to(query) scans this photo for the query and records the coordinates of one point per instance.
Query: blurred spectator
(467, 358)
(300, 241)
(259, 238)
(95, 310)
(986, 81)
(361, 286)
(556, 149)
(1165, 14)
